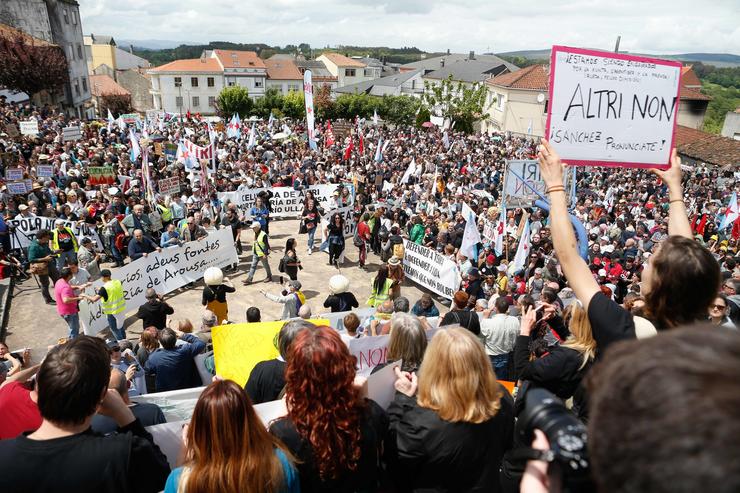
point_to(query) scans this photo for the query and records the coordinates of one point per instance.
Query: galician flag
(233, 129)
(252, 138)
(185, 156)
(522, 251)
(379, 151)
(731, 212)
(135, 147)
(471, 236)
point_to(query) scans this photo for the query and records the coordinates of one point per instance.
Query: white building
(194, 84)
(347, 70)
(517, 101)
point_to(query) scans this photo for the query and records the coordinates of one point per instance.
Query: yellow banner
(237, 348)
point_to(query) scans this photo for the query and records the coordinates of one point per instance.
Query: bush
(234, 99)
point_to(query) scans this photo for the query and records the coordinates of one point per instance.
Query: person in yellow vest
(381, 288)
(64, 244)
(260, 253)
(114, 302)
(164, 211)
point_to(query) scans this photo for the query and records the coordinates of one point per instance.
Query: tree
(464, 105)
(234, 99)
(399, 110)
(422, 116)
(116, 103)
(323, 103)
(271, 102)
(294, 105)
(29, 67)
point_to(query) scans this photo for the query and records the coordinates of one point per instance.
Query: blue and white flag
(252, 138)
(234, 128)
(471, 236)
(379, 151)
(270, 121)
(135, 147)
(111, 120)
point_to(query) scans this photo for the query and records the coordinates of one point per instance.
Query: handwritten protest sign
(431, 270)
(14, 174)
(609, 109)
(27, 227)
(71, 133)
(169, 186)
(164, 271)
(237, 348)
(102, 175)
(370, 352)
(30, 127)
(16, 187)
(286, 202)
(519, 172)
(44, 170)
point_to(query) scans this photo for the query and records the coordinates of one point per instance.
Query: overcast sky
(658, 26)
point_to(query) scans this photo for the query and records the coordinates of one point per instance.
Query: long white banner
(27, 227)
(171, 269)
(431, 270)
(285, 202)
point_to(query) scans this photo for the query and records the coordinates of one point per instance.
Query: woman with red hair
(228, 449)
(334, 432)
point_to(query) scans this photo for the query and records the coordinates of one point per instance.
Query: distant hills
(716, 59)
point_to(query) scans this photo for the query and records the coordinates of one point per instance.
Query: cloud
(661, 26)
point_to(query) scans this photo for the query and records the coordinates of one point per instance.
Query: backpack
(356, 239)
(399, 251)
(281, 265)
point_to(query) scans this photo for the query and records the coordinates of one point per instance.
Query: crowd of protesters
(638, 336)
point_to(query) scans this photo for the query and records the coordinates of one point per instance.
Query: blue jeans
(253, 268)
(311, 234)
(65, 257)
(114, 251)
(500, 364)
(73, 321)
(113, 324)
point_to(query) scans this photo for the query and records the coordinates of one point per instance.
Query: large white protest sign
(285, 202)
(609, 109)
(336, 319)
(489, 231)
(370, 352)
(165, 271)
(71, 133)
(27, 227)
(30, 127)
(431, 270)
(521, 174)
(169, 186)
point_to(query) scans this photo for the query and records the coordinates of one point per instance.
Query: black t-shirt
(609, 322)
(374, 428)
(341, 302)
(85, 462)
(266, 381)
(466, 319)
(64, 240)
(147, 413)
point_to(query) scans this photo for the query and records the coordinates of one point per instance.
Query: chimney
(442, 63)
(472, 55)
(131, 49)
(448, 51)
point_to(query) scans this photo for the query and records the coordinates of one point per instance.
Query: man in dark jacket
(64, 454)
(141, 246)
(154, 312)
(174, 366)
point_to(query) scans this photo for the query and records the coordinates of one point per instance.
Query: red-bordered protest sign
(610, 109)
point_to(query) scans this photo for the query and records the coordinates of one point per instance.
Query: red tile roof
(688, 76)
(191, 65)
(282, 70)
(707, 148)
(103, 85)
(239, 59)
(533, 78)
(693, 94)
(342, 61)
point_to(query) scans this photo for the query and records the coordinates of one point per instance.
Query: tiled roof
(103, 85)
(342, 61)
(688, 93)
(688, 76)
(239, 59)
(282, 70)
(191, 65)
(434, 62)
(707, 148)
(11, 32)
(534, 77)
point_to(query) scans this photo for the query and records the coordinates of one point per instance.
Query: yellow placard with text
(237, 348)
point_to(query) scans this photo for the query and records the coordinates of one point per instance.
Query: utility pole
(616, 47)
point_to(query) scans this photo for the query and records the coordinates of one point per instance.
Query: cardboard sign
(44, 170)
(342, 130)
(102, 175)
(14, 174)
(30, 127)
(129, 117)
(16, 187)
(169, 186)
(519, 172)
(12, 130)
(609, 109)
(170, 152)
(71, 133)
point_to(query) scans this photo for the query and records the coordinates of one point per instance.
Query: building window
(547, 102)
(84, 84)
(79, 51)
(74, 17)
(193, 82)
(258, 83)
(369, 72)
(211, 82)
(349, 72)
(66, 16)
(196, 101)
(293, 87)
(71, 52)
(178, 101)
(77, 87)
(499, 102)
(178, 81)
(211, 101)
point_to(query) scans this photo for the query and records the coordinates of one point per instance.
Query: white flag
(522, 251)
(446, 140)
(500, 232)
(110, 121)
(409, 171)
(252, 138)
(375, 117)
(467, 212)
(121, 123)
(135, 147)
(471, 236)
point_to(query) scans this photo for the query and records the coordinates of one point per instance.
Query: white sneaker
(309, 251)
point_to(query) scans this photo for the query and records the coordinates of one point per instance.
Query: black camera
(568, 454)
